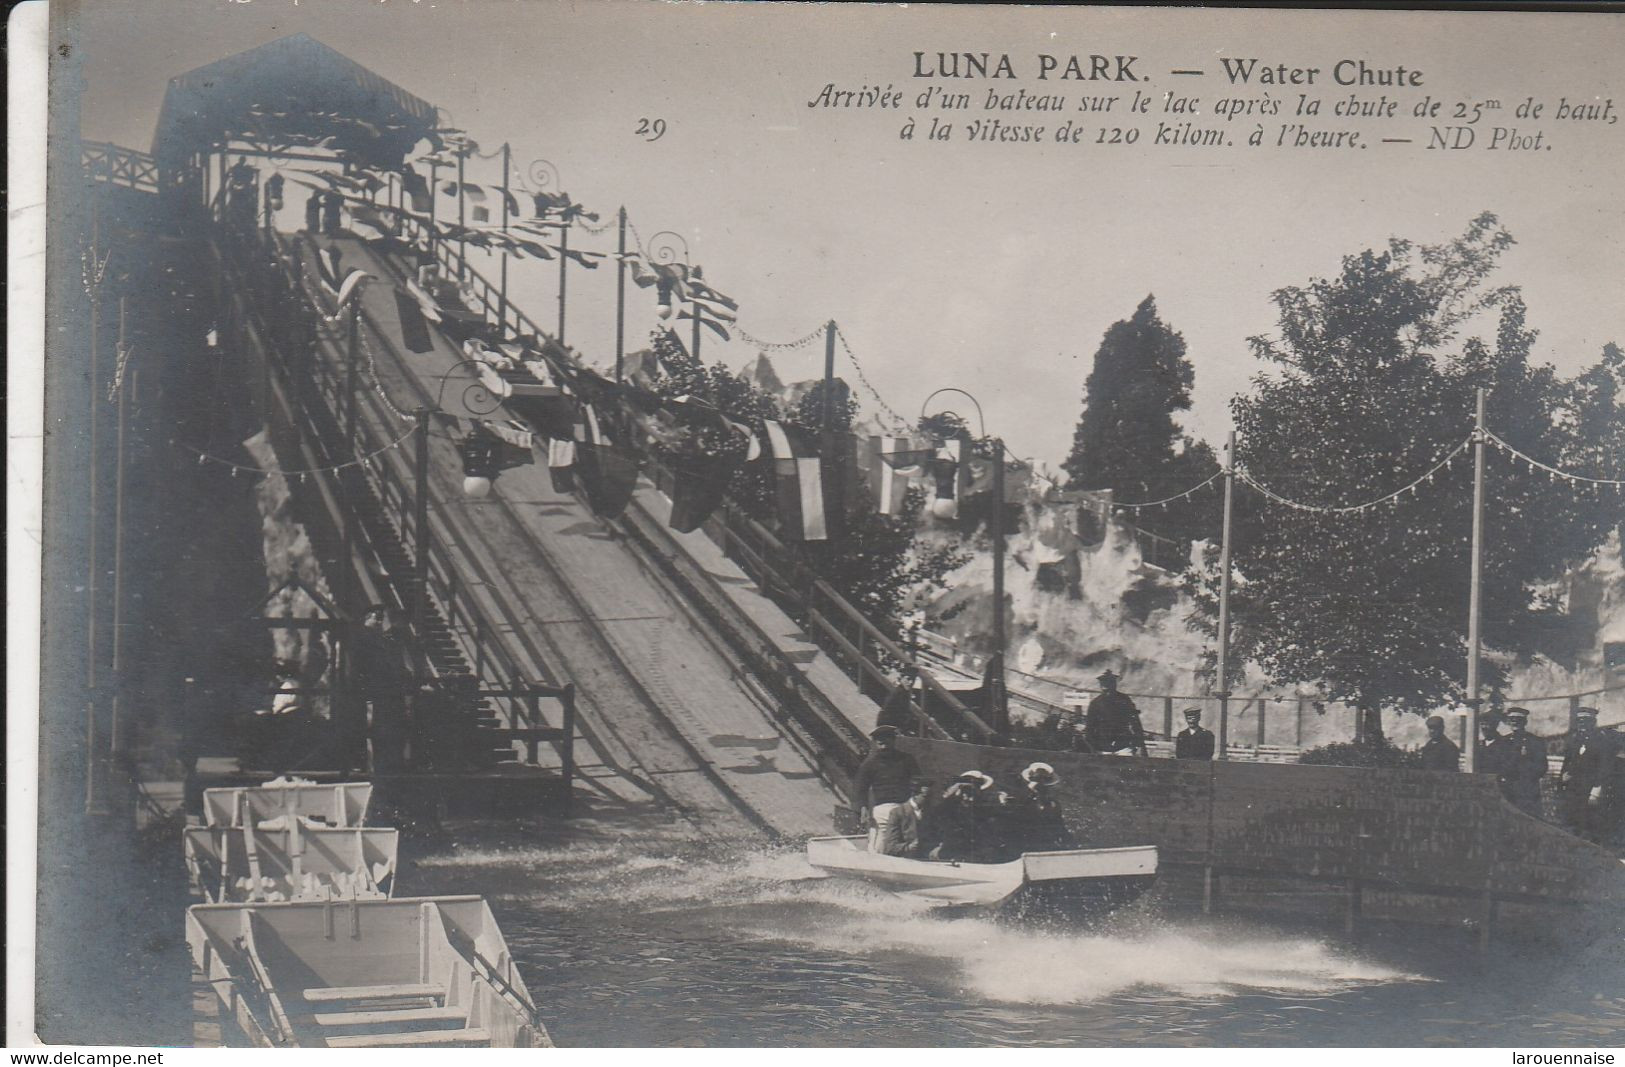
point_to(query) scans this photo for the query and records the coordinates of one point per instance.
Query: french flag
(893, 462)
(798, 481)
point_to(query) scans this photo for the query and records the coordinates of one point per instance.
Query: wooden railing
(318, 388)
(117, 165)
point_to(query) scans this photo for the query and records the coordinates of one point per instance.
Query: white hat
(1040, 773)
(980, 780)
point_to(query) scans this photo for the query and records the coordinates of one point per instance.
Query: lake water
(624, 944)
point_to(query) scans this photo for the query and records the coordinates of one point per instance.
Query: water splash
(775, 896)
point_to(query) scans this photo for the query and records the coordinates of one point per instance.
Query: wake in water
(775, 896)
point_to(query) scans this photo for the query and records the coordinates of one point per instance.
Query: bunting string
(864, 378)
(236, 468)
(1192, 491)
(778, 346)
(1350, 509)
(1550, 470)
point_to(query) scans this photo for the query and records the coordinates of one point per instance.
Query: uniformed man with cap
(1439, 753)
(884, 780)
(1587, 762)
(1112, 722)
(1523, 765)
(1491, 752)
(1194, 741)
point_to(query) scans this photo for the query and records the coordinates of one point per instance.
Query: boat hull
(1077, 883)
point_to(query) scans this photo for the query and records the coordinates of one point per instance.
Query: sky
(990, 267)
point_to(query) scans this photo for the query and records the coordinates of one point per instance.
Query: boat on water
(290, 859)
(338, 804)
(430, 972)
(1077, 883)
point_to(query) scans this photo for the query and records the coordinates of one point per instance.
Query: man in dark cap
(1194, 742)
(1112, 722)
(1524, 763)
(884, 780)
(1587, 762)
(1439, 753)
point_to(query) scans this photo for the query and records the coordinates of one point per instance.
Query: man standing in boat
(1523, 763)
(1194, 741)
(885, 780)
(1112, 722)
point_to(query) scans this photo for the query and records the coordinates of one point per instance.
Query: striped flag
(951, 474)
(892, 462)
(799, 482)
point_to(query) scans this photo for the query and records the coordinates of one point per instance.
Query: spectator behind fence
(1194, 742)
(1439, 753)
(1523, 763)
(1112, 722)
(1588, 756)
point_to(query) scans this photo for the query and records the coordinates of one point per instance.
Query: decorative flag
(711, 324)
(799, 482)
(494, 383)
(607, 472)
(561, 462)
(892, 462)
(512, 431)
(342, 286)
(417, 190)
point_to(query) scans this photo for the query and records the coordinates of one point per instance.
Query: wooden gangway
(294, 861)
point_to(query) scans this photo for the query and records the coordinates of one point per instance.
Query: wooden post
(121, 383)
(567, 756)
(1263, 703)
(1224, 598)
(420, 531)
(1168, 717)
(620, 296)
(1297, 731)
(502, 314)
(1475, 605)
(462, 241)
(998, 705)
(93, 603)
(564, 263)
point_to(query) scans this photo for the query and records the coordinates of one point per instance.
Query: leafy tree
(1127, 440)
(1372, 386)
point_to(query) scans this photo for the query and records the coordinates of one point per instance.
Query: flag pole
(998, 700)
(93, 612)
(1475, 599)
(1224, 597)
(620, 297)
(564, 263)
(502, 314)
(462, 237)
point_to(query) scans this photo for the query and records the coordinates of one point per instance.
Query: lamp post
(620, 294)
(543, 177)
(663, 253)
(997, 701)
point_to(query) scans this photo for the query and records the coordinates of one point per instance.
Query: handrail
(387, 481)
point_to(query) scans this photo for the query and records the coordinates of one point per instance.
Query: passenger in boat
(1033, 819)
(313, 212)
(962, 824)
(1194, 742)
(906, 829)
(884, 781)
(1112, 722)
(332, 212)
(1523, 763)
(1439, 753)
(1588, 755)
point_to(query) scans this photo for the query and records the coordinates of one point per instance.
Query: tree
(1127, 440)
(1371, 389)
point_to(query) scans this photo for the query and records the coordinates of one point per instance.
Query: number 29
(650, 129)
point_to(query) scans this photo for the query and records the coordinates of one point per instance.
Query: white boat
(341, 804)
(290, 859)
(1077, 882)
(432, 972)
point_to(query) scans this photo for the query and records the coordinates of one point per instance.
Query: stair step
(384, 1017)
(413, 1039)
(330, 994)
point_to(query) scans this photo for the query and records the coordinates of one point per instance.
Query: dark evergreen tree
(1127, 440)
